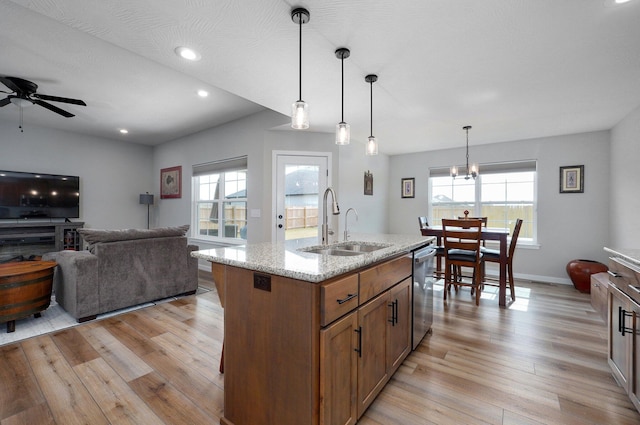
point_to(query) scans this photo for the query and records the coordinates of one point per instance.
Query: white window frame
(496, 168)
(221, 168)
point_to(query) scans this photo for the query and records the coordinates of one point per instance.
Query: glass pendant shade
(372, 146)
(454, 171)
(343, 133)
(300, 115)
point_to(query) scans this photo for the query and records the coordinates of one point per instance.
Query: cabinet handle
(349, 297)
(359, 349)
(622, 317)
(614, 274)
(395, 314)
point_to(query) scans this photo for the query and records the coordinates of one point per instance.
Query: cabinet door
(634, 375)
(372, 364)
(338, 372)
(618, 351)
(399, 325)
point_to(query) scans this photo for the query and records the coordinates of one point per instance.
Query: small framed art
(171, 182)
(368, 183)
(408, 187)
(572, 179)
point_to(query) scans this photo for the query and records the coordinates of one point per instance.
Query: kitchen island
(623, 310)
(312, 333)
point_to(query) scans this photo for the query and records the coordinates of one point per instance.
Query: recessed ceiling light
(614, 3)
(124, 131)
(187, 53)
(203, 93)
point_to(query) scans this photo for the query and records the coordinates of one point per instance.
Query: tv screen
(35, 195)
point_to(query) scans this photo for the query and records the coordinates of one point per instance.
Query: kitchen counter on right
(629, 254)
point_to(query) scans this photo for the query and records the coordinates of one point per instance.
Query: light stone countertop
(285, 258)
(629, 254)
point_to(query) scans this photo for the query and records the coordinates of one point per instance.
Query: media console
(36, 238)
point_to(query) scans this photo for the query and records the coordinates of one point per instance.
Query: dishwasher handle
(423, 255)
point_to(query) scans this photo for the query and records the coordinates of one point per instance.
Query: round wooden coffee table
(25, 289)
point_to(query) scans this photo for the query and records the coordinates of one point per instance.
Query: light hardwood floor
(542, 361)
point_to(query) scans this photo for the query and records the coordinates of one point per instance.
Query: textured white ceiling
(513, 69)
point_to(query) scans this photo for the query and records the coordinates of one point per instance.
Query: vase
(580, 272)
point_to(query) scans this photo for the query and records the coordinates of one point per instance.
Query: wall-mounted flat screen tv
(36, 195)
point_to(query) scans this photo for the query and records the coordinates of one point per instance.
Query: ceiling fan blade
(59, 99)
(11, 85)
(53, 108)
(5, 102)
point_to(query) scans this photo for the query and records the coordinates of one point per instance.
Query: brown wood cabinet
(303, 353)
(599, 285)
(624, 326)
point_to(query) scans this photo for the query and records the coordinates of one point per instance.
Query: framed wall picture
(368, 183)
(572, 179)
(171, 182)
(408, 187)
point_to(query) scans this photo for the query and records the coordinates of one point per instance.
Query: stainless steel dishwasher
(423, 268)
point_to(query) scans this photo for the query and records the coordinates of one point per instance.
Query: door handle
(359, 349)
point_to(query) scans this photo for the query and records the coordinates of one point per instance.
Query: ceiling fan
(23, 93)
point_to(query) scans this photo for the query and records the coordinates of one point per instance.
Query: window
(502, 192)
(220, 199)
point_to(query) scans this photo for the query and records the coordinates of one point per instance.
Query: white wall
(112, 174)
(624, 197)
(246, 136)
(570, 226)
(373, 212)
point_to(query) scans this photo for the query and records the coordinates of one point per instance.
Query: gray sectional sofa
(123, 268)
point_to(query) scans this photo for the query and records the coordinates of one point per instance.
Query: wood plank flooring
(542, 361)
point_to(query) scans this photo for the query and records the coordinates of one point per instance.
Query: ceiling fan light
(343, 133)
(372, 146)
(21, 103)
(300, 115)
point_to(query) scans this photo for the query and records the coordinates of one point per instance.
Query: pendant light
(471, 171)
(372, 143)
(343, 130)
(299, 108)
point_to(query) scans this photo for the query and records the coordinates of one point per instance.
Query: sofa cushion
(93, 236)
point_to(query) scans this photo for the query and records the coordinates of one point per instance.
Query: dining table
(488, 234)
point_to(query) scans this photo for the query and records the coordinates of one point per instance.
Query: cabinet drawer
(626, 277)
(379, 278)
(338, 298)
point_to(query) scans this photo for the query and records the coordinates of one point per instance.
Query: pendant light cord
(467, 152)
(300, 56)
(371, 113)
(342, 94)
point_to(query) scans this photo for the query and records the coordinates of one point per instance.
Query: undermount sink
(361, 247)
(345, 249)
(332, 251)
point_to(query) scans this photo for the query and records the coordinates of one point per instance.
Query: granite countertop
(286, 258)
(631, 255)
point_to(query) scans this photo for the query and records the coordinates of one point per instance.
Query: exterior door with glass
(301, 180)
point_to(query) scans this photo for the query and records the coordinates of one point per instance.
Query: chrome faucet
(346, 221)
(325, 223)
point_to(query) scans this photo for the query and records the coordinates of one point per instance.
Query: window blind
(494, 168)
(222, 166)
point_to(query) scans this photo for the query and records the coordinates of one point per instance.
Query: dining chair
(484, 221)
(462, 249)
(493, 255)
